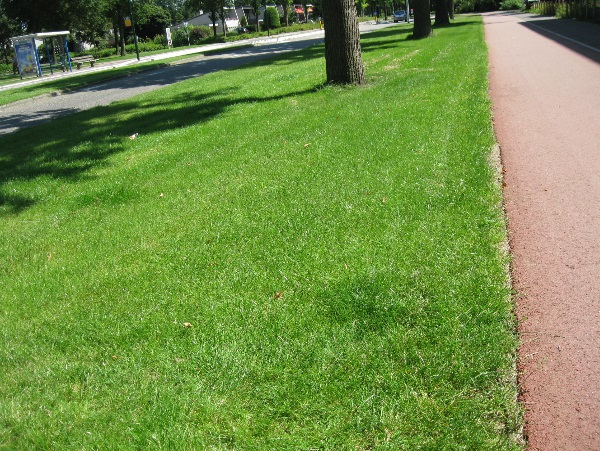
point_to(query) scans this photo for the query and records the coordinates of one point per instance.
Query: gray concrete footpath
(132, 62)
(40, 109)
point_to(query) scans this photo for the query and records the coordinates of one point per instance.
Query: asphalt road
(34, 111)
(545, 90)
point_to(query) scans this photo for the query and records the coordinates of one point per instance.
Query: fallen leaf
(188, 325)
(161, 195)
(278, 295)
(306, 145)
(383, 200)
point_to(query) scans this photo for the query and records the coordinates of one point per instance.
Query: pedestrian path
(158, 57)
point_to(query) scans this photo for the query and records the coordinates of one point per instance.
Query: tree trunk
(422, 24)
(122, 39)
(451, 9)
(343, 58)
(213, 18)
(441, 13)
(116, 30)
(223, 19)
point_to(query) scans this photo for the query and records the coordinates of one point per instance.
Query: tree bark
(422, 24)
(441, 13)
(343, 57)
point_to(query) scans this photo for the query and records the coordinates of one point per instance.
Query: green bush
(160, 39)
(466, 6)
(6, 68)
(509, 5)
(102, 53)
(243, 21)
(198, 34)
(144, 46)
(271, 18)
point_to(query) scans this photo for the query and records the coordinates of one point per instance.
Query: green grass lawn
(270, 264)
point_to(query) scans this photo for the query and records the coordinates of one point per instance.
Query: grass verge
(269, 264)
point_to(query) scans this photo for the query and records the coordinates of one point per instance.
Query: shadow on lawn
(67, 147)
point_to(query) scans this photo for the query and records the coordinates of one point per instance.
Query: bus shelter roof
(47, 34)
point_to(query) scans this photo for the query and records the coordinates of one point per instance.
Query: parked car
(400, 16)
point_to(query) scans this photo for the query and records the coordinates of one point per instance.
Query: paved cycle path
(545, 90)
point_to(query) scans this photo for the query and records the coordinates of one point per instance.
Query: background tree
(271, 18)
(361, 5)
(224, 6)
(422, 17)
(441, 12)
(255, 4)
(8, 29)
(175, 9)
(37, 15)
(285, 4)
(152, 20)
(343, 58)
(212, 7)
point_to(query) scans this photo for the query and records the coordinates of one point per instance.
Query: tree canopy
(88, 19)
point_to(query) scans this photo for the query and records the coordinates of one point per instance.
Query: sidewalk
(158, 57)
(545, 90)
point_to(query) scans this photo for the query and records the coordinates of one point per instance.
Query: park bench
(79, 60)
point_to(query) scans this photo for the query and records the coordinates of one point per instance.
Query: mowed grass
(75, 82)
(269, 264)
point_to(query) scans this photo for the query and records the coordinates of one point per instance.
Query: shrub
(198, 34)
(144, 46)
(6, 68)
(465, 6)
(160, 39)
(271, 18)
(243, 21)
(102, 53)
(508, 5)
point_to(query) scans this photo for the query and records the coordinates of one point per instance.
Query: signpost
(169, 38)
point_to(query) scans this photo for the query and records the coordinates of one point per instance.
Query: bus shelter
(54, 55)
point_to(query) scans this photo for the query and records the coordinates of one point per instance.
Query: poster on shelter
(26, 59)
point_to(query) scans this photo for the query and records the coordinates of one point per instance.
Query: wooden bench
(79, 60)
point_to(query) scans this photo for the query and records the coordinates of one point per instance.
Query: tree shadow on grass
(68, 147)
(384, 39)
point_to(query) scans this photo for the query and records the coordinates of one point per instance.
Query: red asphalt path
(545, 90)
